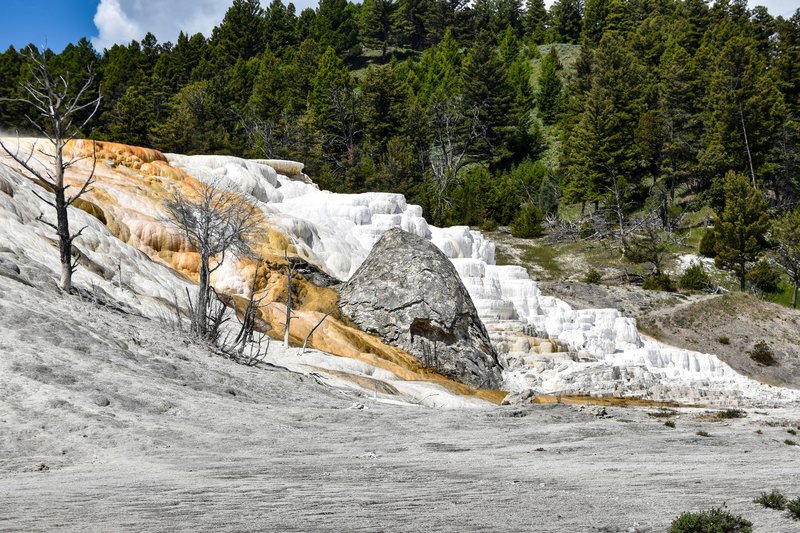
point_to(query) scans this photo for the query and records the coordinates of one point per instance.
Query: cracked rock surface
(408, 293)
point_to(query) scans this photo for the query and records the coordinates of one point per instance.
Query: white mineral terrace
(543, 342)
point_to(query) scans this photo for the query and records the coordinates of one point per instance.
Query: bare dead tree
(56, 109)
(216, 222)
(250, 315)
(455, 131)
(261, 135)
(345, 127)
(311, 332)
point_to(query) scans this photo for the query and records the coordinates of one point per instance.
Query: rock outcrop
(408, 292)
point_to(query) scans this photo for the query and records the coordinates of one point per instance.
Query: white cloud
(120, 21)
(114, 25)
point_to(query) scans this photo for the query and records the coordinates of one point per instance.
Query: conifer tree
(280, 26)
(486, 89)
(566, 20)
(335, 26)
(375, 23)
(741, 105)
(549, 95)
(786, 237)
(408, 23)
(386, 102)
(678, 105)
(267, 97)
(594, 19)
(535, 20)
(241, 33)
(132, 118)
(741, 227)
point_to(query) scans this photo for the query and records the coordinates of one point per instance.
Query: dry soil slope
(729, 326)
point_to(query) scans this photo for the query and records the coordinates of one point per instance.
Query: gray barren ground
(110, 422)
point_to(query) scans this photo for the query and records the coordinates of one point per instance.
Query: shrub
(489, 224)
(587, 230)
(762, 354)
(528, 222)
(794, 508)
(790, 442)
(723, 340)
(593, 277)
(658, 282)
(703, 433)
(764, 277)
(711, 521)
(695, 278)
(670, 424)
(663, 413)
(731, 413)
(773, 500)
(791, 432)
(708, 244)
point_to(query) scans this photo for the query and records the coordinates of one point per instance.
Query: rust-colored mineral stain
(608, 401)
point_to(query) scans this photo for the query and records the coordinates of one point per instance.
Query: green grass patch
(501, 258)
(542, 256)
(772, 500)
(784, 296)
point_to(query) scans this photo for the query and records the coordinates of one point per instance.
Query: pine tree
(535, 20)
(741, 227)
(335, 110)
(787, 61)
(386, 102)
(408, 26)
(486, 89)
(439, 70)
(280, 26)
(679, 107)
(132, 118)
(11, 112)
(566, 20)
(594, 19)
(241, 34)
(335, 26)
(549, 96)
(786, 237)
(375, 23)
(741, 105)
(268, 96)
(494, 16)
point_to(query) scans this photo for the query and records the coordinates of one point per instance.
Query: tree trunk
(288, 304)
(200, 315)
(62, 222)
(747, 148)
(742, 276)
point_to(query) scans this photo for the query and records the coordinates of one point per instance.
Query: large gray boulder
(408, 293)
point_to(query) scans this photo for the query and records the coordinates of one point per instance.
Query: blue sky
(105, 22)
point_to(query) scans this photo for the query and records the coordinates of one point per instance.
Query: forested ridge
(485, 113)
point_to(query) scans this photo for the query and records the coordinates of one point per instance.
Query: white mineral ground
(139, 430)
